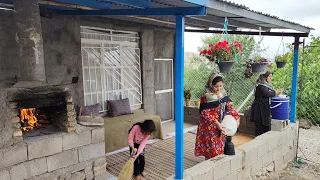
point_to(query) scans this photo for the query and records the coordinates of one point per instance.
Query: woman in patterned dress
(214, 105)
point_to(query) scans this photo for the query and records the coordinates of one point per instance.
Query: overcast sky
(306, 12)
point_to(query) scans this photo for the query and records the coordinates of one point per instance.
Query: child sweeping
(137, 139)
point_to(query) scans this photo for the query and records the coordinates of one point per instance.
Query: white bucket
(230, 124)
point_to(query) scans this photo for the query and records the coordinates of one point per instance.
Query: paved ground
(309, 148)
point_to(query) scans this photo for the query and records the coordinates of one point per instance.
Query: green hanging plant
(282, 58)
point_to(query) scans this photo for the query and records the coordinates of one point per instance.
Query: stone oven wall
(76, 152)
(77, 155)
(41, 97)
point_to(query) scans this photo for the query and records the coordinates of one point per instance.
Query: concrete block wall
(164, 44)
(78, 155)
(279, 125)
(8, 50)
(270, 152)
(62, 53)
(62, 48)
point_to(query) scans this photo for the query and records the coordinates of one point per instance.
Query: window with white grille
(111, 66)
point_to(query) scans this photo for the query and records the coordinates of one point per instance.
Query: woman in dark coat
(260, 111)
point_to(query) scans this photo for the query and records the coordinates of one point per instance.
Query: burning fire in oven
(28, 119)
(31, 119)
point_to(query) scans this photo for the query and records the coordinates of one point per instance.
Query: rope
(260, 44)
(226, 36)
(225, 27)
(281, 43)
(224, 32)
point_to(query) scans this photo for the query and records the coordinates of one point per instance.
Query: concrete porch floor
(160, 156)
(169, 127)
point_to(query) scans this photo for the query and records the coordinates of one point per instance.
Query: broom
(127, 170)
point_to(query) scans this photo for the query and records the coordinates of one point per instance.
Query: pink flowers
(203, 52)
(238, 45)
(224, 45)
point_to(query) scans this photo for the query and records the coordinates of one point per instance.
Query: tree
(308, 106)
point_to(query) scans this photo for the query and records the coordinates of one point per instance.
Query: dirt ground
(309, 150)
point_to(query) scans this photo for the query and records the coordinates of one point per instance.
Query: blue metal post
(294, 80)
(179, 95)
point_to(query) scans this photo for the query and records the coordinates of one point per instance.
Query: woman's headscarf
(209, 85)
(262, 80)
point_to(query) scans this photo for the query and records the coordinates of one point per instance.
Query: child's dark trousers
(139, 163)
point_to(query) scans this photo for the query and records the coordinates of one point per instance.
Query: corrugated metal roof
(272, 16)
(239, 16)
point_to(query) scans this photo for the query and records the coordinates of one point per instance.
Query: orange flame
(28, 119)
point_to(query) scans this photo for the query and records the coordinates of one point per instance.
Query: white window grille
(111, 66)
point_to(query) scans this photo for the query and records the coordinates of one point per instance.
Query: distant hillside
(188, 56)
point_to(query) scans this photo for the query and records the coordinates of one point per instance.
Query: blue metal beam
(294, 80)
(6, 5)
(183, 11)
(134, 3)
(199, 2)
(179, 93)
(46, 6)
(6, 1)
(90, 3)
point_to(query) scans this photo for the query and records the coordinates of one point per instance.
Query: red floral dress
(209, 142)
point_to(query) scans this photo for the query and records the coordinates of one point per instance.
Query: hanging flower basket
(225, 66)
(281, 64)
(223, 53)
(259, 67)
(281, 60)
(256, 65)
